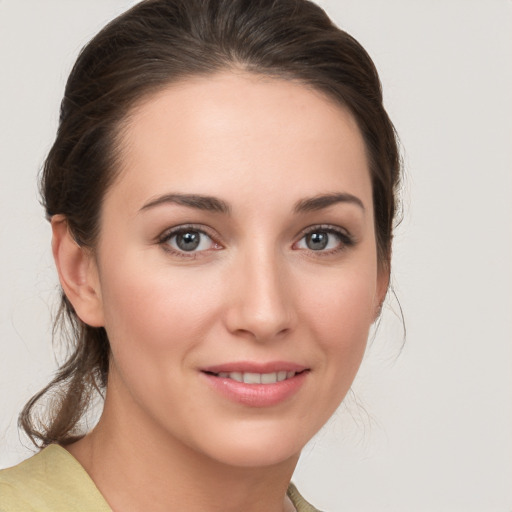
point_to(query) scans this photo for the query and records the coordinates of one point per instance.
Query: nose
(261, 298)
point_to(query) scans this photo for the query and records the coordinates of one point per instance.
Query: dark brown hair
(155, 43)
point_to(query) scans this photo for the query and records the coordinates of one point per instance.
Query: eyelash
(164, 239)
(345, 239)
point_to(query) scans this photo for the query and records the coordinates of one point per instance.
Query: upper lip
(255, 367)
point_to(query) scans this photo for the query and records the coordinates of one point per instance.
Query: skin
(254, 291)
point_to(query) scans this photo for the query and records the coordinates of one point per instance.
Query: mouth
(257, 378)
(257, 385)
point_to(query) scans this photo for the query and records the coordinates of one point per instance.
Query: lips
(256, 385)
(258, 378)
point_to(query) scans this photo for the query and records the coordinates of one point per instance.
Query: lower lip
(257, 395)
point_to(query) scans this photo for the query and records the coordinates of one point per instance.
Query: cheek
(150, 311)
(340, 317)
(343, 303)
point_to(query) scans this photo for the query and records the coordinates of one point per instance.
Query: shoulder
(300, 504)
(51, 480)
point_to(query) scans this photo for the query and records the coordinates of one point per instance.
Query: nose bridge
(263, 304)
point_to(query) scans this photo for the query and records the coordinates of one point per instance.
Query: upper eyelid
(324, 227)
(170, 232)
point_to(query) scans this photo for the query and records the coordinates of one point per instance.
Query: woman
(221, 195)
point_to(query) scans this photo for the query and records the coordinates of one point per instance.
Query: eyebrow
(200, 202)
(324, 201)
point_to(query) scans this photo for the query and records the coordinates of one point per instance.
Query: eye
(324, 239)
(188, 240)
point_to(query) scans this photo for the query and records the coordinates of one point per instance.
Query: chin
(252, 456)
(253, 444)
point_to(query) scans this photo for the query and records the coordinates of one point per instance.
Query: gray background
(427, 429)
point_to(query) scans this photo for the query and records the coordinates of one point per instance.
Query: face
(236, 266)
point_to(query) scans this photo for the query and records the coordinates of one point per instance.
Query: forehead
(256, 133)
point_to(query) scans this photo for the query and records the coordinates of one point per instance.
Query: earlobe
(78, 273)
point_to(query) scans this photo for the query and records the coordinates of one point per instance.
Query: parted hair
(156, 43)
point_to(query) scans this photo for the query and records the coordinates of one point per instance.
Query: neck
(136, 465)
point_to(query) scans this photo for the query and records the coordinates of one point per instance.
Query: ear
(78, 273)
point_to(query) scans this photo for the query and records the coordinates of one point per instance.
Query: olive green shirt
(54, 481)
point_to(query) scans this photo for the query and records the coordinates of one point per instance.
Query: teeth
(252, 378)
(268, 378)
(257, 378)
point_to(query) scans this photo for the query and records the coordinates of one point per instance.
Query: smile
(257, 385)
(257, 378)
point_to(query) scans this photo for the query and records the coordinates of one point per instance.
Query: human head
(159, 42)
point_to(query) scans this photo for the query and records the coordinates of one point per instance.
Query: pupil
(188, 241)
(317, 241)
